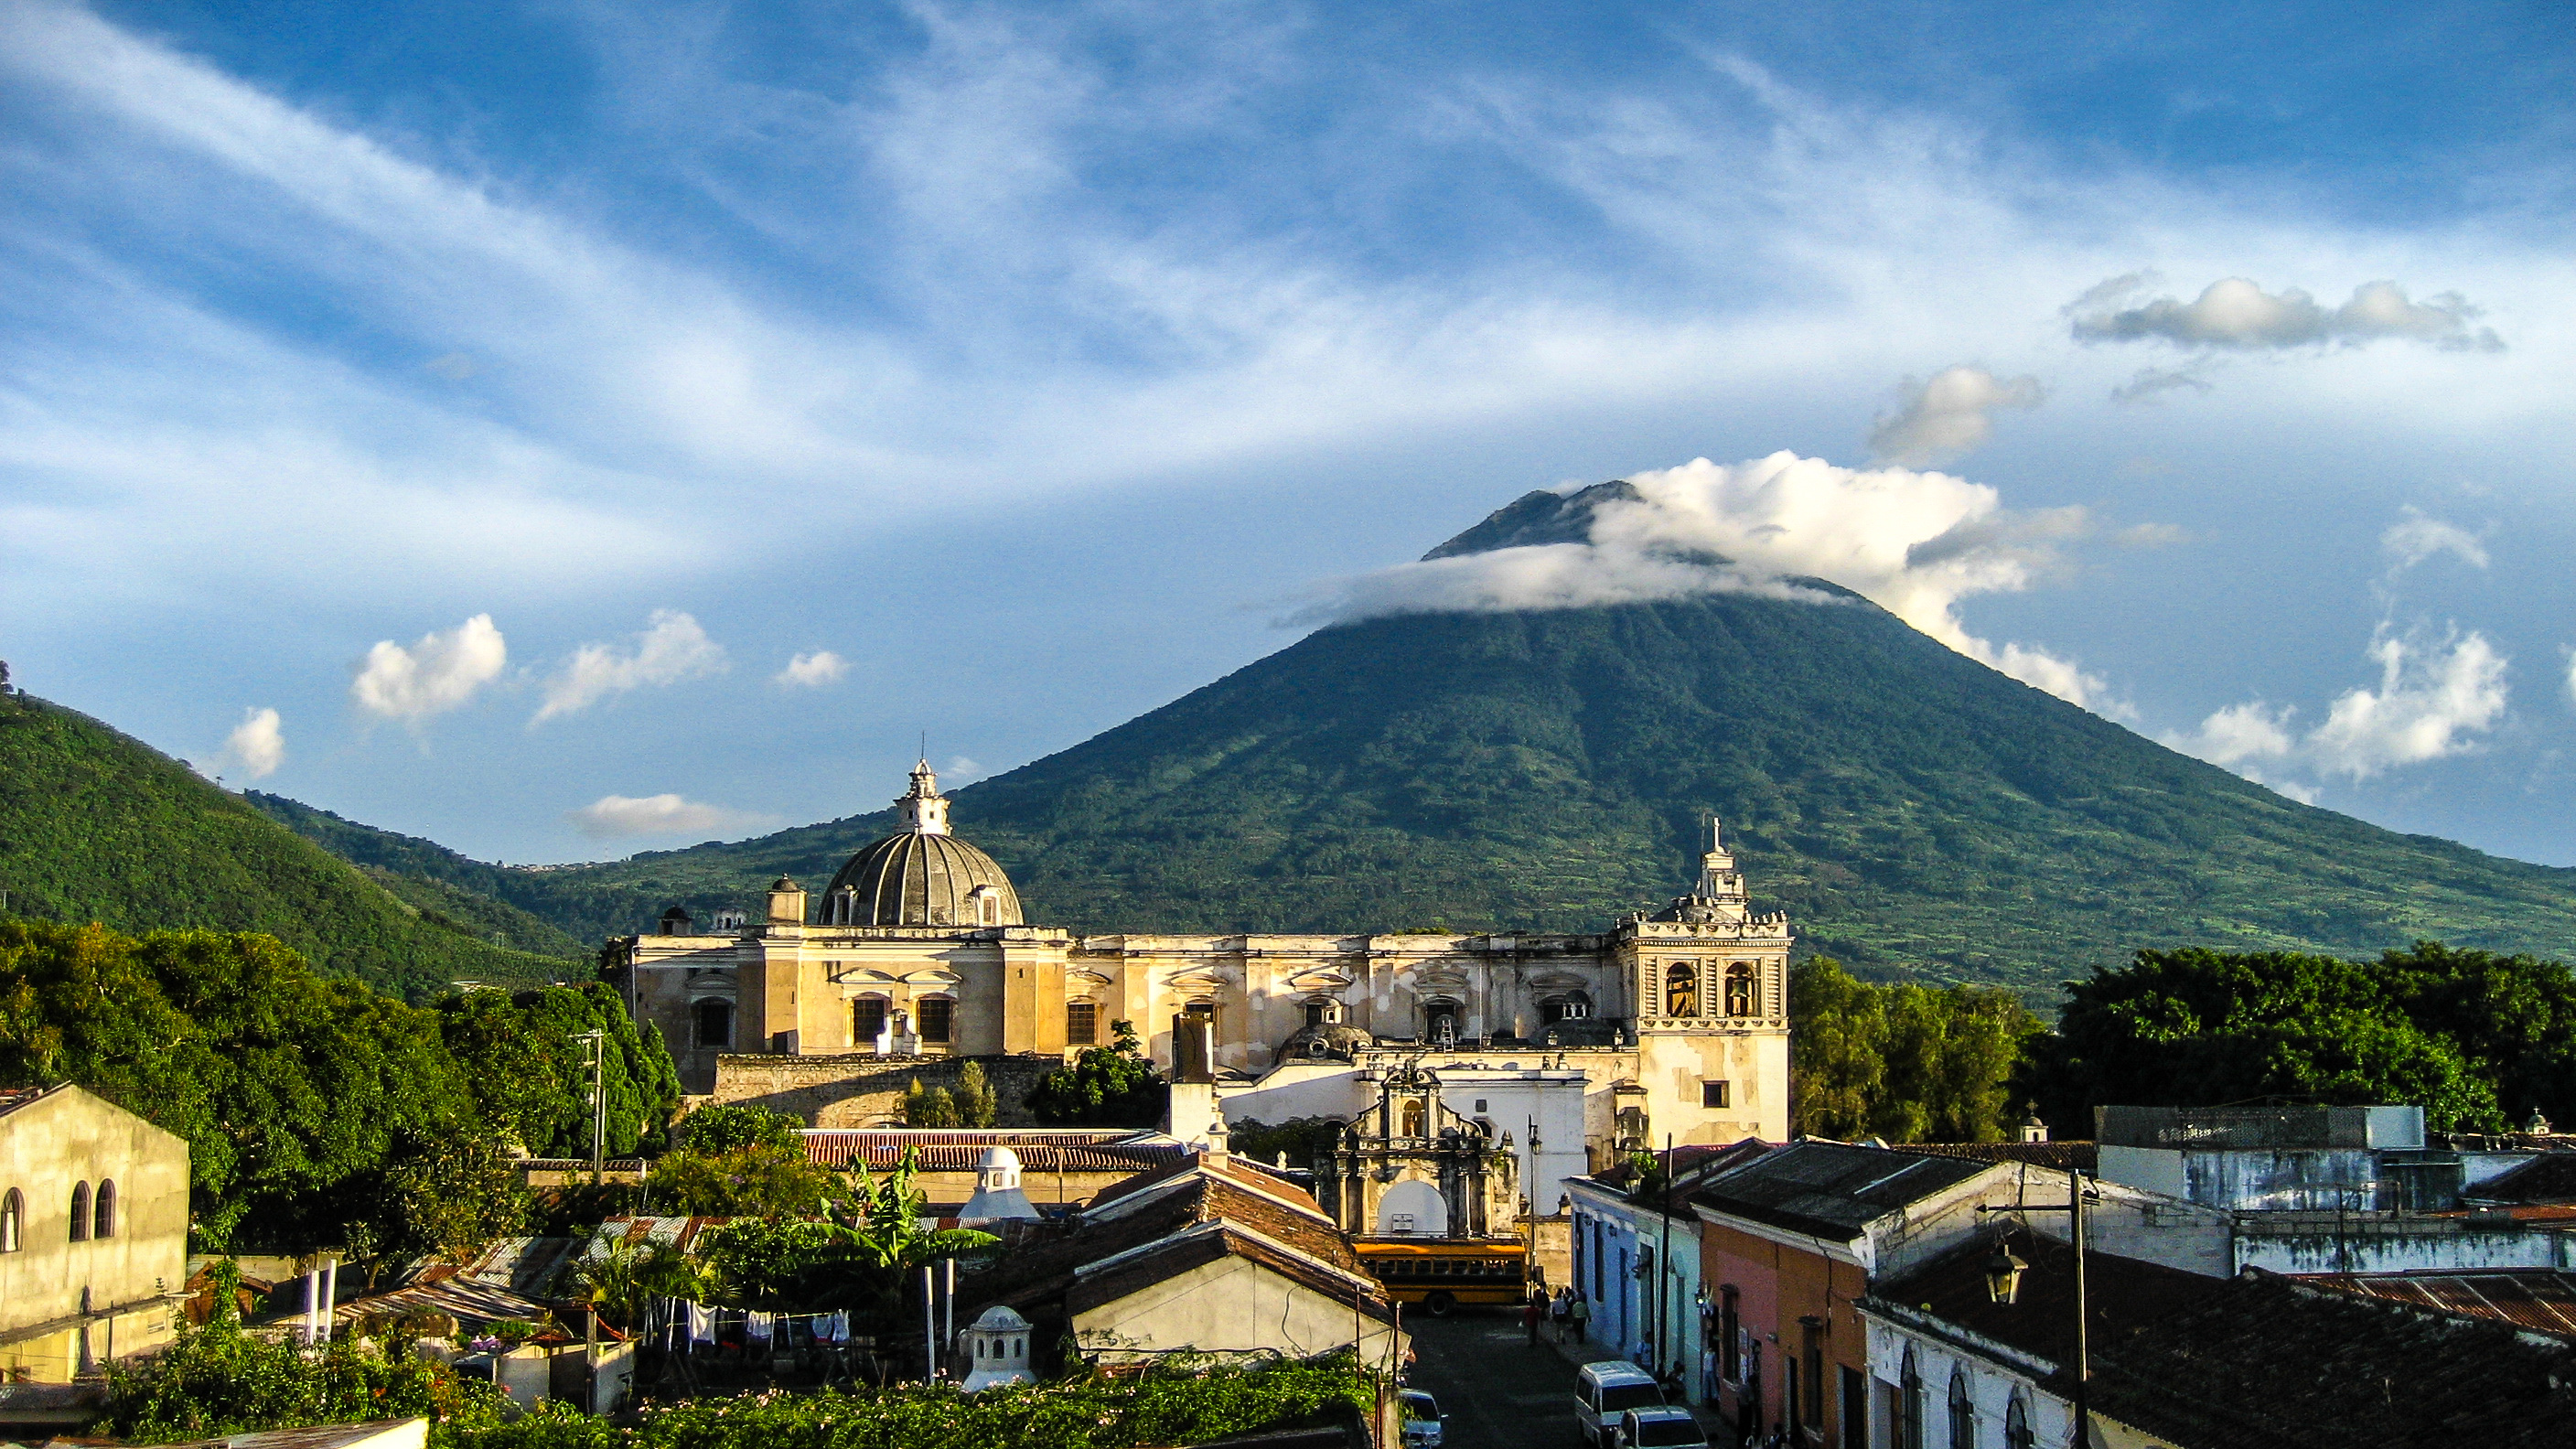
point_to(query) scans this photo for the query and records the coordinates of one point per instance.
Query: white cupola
(996, 1348)
(997, 1188)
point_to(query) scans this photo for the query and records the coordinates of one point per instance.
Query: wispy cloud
(2233, 313)
(1948, 414)
(623, 817)
(671, 649)
(1914, 543)
(813, 670)
(256, 746)
(2415, 537)
(439, 673)
(2434, 698)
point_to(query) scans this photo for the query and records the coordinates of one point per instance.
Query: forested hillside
(96, 826)
(1912, 809)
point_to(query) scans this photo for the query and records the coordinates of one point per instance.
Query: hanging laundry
(834, 1327)
(756, 1327)
(702, 1323)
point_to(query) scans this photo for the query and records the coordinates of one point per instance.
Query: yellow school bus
(1441, 1273)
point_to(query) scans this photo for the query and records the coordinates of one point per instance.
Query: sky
(565, 429)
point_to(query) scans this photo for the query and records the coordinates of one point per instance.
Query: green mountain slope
(1910, 808)
(95, 826)
(446, 887)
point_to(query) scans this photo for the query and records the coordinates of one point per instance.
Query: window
(1743, 998)
(13, 1219)
(714, 1023)
(1081, 1023)
(937, 1013)
(1963, 1414)
(2017, 1425)
(1812, 1344)
(103, 1214)
(1855, 1410)
(1909, 1405)
(1681, 989)
(867, 1019)
(1790, 1400)
(1318, 1014)
(1717, 1094)
(1572, 1006)
(1440, 1021)
(1729, 1353)
(80, 1213)
(1598, 1275)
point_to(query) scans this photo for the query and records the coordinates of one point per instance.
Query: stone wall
(866, 1090)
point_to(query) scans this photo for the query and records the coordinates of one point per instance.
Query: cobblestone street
(1498, 1392)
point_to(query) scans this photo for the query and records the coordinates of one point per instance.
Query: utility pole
(2074, 1209)
(597, 1037)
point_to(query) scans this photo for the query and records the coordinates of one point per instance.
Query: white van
(1605, 1390)
(1666, 1428)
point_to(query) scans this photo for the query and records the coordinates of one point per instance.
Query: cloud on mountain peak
(1914, 543)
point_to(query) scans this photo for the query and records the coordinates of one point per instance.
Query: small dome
(999, 1318)
(918, 879)
(997, 1159)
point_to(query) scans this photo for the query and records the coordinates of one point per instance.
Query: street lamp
(2004, 1282)
(2003, 1274)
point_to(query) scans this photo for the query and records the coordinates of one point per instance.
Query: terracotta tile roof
(1831, 1189)
(13, 1098)
(2540, 1299)
(1120, 1150)
(2063, 1156)
(2549, 1177)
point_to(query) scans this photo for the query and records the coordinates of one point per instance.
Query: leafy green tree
(721, 1127)
(807, 1264)
(761, 1180)
(1903, 1062)
(621, 1281)
(931, 1108)
(529, 1071)
(1111, 1086)
(217, 1381)
(449, 1200)
(976, 1106)
(1304, 1139)
(2201, 1028)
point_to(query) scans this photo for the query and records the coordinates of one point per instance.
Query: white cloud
(256, 745)
(2431, 697)
(2236, 314)
(614, 817)
(1948, 414)
(1915, 543)
(438, 674)
(960, 769)
(812, 671)
(2151, 383)
(672, 648)
(2415, 537)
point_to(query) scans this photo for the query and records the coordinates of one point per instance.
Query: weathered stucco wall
(67, 1304)
(1230, 1305)
(867, 1090)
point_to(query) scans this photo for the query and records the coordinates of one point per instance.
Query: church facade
(1671, 1022)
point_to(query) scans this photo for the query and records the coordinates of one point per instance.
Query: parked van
(1666, 1428)
(1605, 1390)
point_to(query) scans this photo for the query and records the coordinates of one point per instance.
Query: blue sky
(595, 427)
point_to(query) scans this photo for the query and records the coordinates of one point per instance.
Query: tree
(1902, 1062)
(864, 1263)
(1304, 1139)
(932, 1108)
(721, 1127)
(218, 1381)
(762, 1180)
(2430, 1028)
(449, 1199)
(1111, 1086)
(976, 1106)
(529, 1071)
(622, 1280)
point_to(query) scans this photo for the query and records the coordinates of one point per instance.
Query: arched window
(103, 1214)
(13, 1221)
(867, 1019)
(1963, 1414)
(1909, 1405)
(80, 1213)
(1440, 1021)
(937, 1016)
(713, 1021)
(1569, 1006)
(2017, 1425)
(1681, 989)
(1743, 997)
(1414, 1118)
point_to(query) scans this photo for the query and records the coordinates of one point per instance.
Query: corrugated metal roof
(2540, 1299)
(1831, 1188)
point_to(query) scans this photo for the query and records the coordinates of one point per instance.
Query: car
(1605, 1390)
(1670, 1427)
(1423, 1421)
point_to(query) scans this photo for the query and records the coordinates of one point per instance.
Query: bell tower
(923, 810)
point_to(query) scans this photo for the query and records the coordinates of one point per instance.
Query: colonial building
(1669, 1023)
(93, 1233)
(1411, 1164)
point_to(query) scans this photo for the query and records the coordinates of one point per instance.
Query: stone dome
(921, 875)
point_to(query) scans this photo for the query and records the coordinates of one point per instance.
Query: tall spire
(923, 809)
(1717, 877)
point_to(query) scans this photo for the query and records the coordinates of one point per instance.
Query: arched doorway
(1413, 1207)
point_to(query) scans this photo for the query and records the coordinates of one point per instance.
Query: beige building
(1674, 1022)
(93, 1233)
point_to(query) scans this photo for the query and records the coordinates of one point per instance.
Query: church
(1569, 1048)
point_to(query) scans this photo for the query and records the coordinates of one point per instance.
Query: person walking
(1578, 1316)
(1533, 1308)
(1556, 1312)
